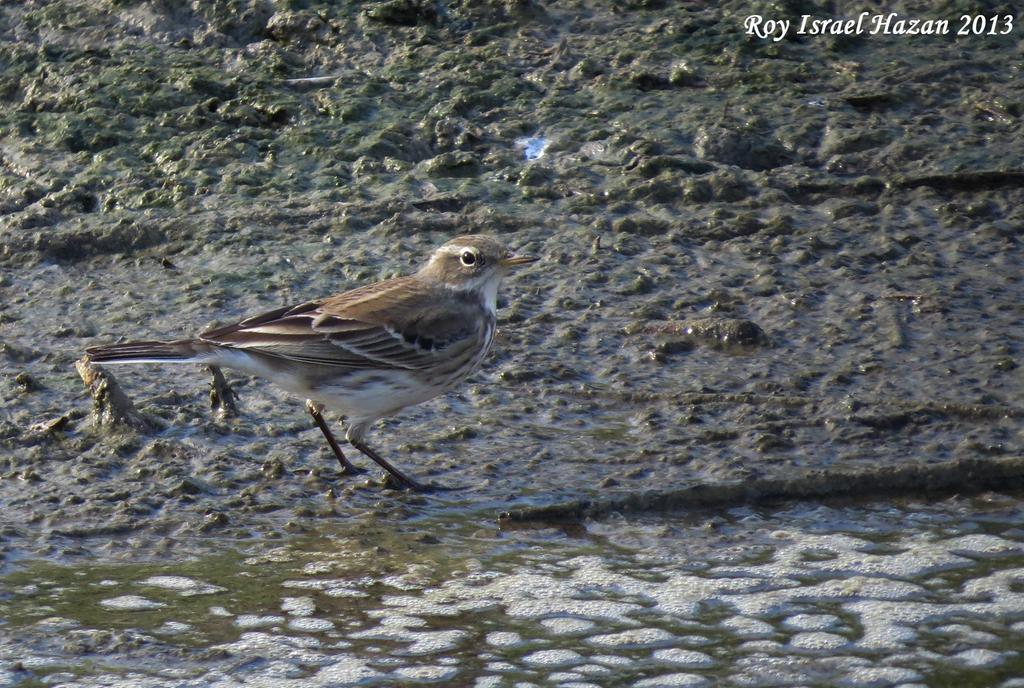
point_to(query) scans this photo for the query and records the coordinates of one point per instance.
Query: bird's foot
(390, 482)
(434, 487)
(351, 471)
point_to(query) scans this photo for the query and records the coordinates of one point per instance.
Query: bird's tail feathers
(182, 351)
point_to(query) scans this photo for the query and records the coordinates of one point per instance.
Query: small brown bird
(366, 353)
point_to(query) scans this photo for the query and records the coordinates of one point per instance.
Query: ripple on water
(344, 671)
(399, 620)
(870, 677)
(304, 650)
(817, 641)
(186, 587)
(978, 658)
(433, 642)
(131, 603)
(425, 674)
(172, 628)
(553, 658)
(567, 626)
(746, 627)
(488, 682)
(248, 621)
(329, 587)
(504, 639)
(683, 658)
(780, 620)
(308, 625)
(812, 622)
(298, 606)
(984, 546)
(673, 681)
(633, 639)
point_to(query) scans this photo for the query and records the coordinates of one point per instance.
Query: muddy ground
(166, 167)
(848, 208)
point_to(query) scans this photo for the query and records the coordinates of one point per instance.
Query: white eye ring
(469, 258)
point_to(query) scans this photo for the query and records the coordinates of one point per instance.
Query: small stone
(683, 74)
(26, 382)
(298, 26)
(452, 163)
(586, 68)
(401, 12)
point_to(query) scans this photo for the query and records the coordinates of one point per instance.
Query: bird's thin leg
(383, 463)
(316, 411)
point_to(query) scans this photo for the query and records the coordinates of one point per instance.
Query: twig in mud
(959, 476)
(111, 406)
(313, 80)
(222, 397)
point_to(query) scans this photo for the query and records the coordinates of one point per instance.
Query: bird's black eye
(468, 258)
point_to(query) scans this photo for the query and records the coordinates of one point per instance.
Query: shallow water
(807, 595)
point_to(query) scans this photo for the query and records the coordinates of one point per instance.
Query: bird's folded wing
(393, 328)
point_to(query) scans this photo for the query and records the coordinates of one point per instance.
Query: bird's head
(474, 262)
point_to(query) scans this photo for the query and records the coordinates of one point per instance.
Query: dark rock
(403, 12)
(749, 150)
(724, 332)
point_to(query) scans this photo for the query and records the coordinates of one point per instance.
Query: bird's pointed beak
(517, 260)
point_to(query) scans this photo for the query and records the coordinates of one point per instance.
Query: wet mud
(769, 269)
